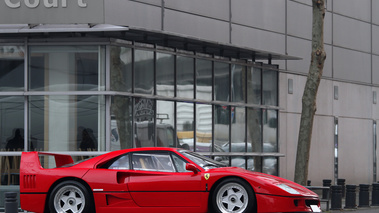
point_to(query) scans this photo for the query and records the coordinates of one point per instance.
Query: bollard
(325, 192)
(11, 205)
(350, 202)
(308, 183)
(375, 194)
(341, 182)
(364, 195)
(336, 197)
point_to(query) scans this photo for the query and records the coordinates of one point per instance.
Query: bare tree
(310, 92)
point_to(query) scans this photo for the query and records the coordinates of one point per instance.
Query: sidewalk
(370, 209)
(358, 210)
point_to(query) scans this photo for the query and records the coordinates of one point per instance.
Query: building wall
(285, 27)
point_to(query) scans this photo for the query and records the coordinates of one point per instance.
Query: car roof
(93, 162)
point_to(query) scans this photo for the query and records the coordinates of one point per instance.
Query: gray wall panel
(351, 33)
(354, 101)
(301, 48)
(327, 72)
(321, 160)
(356, 9)
(375, 15)
(218, 9)
(375, 40)
(351, 65)
(355, 150)
(268, 15)
(328, 28)
(375, 71)
(299, 20)
(258, 39)
(130, 13)
(198, 26)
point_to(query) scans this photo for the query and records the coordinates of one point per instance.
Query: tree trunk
(310, 92)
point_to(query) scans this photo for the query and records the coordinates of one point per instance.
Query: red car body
(117, 189)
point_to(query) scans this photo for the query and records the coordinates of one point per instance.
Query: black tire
(233, 195)
(70, 196)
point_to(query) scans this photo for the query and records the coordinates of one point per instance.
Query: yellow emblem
(206, 176)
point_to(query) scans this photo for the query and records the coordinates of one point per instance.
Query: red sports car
(154, 180)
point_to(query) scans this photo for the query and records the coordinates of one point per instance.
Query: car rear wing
(30, 160)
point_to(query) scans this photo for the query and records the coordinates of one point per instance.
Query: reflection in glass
(165, 124)
(12, 123)
(165, 74)
(185, 77)
(10, 170)
(238, 136)
(121, 123)
(144, 113)
(238, 162)
(270, 131)
(67, 123)
(144, 72)
(254, 164)
(222, 85)
(254, 130)
(254, 85)
(238, 83)
(11, 68)
(203, 127)
(203, 79)
(270, 87)
(270, 165)
(67, 68)
(121, 69)
(254, 135)
(185, 125)
(221, 128)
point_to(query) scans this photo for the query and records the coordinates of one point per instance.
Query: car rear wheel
(70, 197)
(233, 195)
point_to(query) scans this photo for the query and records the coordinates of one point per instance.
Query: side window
(152, 162)
(121, 163)
(180, 164)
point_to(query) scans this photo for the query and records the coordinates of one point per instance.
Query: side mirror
(191, 167)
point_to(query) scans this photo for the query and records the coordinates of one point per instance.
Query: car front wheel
(70, 196)
(233, 195)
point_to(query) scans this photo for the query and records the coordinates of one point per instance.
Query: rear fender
(30, 166)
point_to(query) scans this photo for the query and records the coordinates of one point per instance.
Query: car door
(159, 180)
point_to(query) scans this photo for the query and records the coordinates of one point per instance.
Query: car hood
(267, 184)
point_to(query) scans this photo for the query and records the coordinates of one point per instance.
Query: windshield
(204, 162)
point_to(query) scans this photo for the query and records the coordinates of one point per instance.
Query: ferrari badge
(206, 176)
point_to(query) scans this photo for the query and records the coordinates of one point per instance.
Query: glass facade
(83, 99)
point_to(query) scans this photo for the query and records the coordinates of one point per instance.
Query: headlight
(288, 189)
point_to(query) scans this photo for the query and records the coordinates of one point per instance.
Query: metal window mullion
(194, 77)
(230, 132)
(175, 102)
(133, 123)
(194, 61)
(108, 102)
(175, 125)
(213, 127)
(133, 68)
(26, 99)
(374, 152)
(155, 93)
(194, 127)
(213, 80)
(108, 98)
(335, 150)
